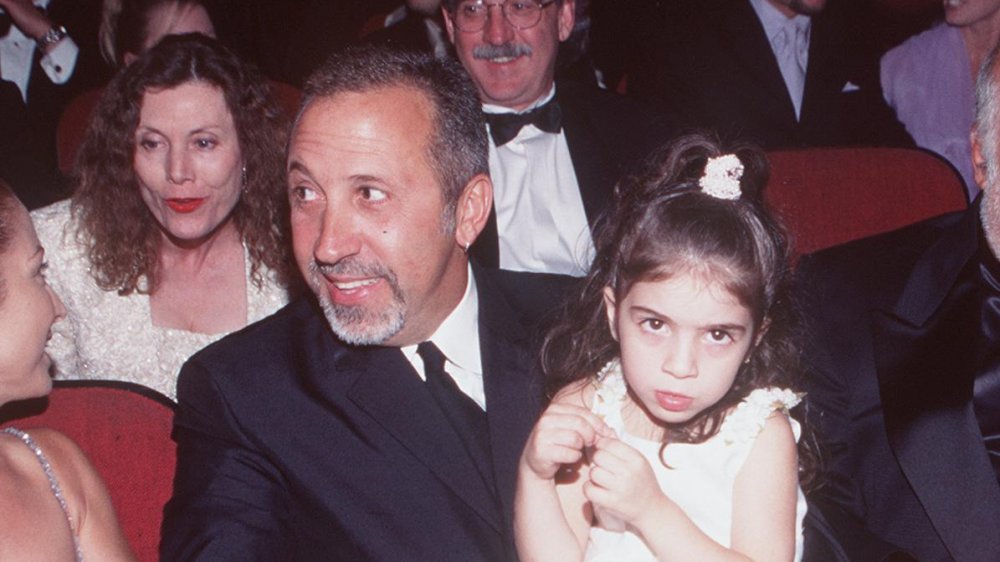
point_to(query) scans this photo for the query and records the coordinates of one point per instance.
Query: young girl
(53, 505)
(669, 437)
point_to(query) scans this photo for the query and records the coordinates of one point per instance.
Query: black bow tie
(505, 126)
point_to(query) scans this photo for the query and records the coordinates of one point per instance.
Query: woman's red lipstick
(185, 204)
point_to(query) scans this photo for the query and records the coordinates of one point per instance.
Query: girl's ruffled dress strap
(747, 419)
(610, 392)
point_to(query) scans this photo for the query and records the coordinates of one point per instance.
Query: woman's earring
(243, 187)
(467, 247)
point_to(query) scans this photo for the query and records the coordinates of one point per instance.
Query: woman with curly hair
(176, 233)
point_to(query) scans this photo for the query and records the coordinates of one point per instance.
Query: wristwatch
(55, 34)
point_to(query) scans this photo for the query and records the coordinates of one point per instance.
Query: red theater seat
(828, 196)
(125, 431)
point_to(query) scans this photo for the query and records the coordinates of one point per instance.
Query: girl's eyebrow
(710, 326)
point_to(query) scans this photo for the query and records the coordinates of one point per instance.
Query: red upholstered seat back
(828, 196)
(125, 431)
(76, 117)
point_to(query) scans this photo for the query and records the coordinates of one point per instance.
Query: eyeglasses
(471, 15)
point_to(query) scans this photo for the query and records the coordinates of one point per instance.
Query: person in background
(416, 25)
(557, 148)
(929, 80)
(176, 233)
(47, 56)
(130, 27)
(905, 342)
(778, 73)
(54, 504)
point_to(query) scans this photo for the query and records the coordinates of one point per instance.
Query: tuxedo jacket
(409, 34)
(710, 64)
(295, 446)
(45, 100)
(22, 160)
(893, 388)
(607, 135)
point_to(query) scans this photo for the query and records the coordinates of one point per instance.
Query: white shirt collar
(774, 21)
(458, 336)
(490, 108)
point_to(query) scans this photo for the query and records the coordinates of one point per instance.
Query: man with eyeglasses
(556, 150)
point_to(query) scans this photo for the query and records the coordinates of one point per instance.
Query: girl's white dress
(700, 480)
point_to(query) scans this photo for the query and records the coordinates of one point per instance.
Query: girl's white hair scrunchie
(722, 177)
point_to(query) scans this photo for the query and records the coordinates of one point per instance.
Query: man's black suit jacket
(892, 390)
(710, 65)
(607, 135)
(295, 446)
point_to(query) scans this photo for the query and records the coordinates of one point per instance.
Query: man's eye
(373, 194)
(472, 9)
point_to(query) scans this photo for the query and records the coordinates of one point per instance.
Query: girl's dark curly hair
(121, 233)
(662, 224)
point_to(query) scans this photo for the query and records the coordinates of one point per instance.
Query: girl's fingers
(585, 415)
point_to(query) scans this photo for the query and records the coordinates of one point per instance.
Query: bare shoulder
(74, 472)
(775, 444)
(61, 451)
(578, 393)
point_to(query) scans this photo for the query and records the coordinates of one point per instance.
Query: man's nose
(339, 237)
(497, 29)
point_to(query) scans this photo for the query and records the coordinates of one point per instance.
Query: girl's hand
(622, 482)
(559, 438)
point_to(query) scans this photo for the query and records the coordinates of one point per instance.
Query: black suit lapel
(925, 376)
(594, 174)
(513, 394)
(740, 27)
(382, 383)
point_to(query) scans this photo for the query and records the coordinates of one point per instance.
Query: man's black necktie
(505, 126)
(468, 419)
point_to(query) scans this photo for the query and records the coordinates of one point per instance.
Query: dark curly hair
(662, 224)
(121, 233)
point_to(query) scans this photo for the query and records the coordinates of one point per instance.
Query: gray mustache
(353, 267)
(503, 50)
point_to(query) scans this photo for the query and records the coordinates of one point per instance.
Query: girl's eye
(372, 194)
(719, 336)
(653, 324)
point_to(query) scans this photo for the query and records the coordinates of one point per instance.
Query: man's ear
(610, 307)
(473, 209)
(978, 161)
(448, 25)
(567, 18)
